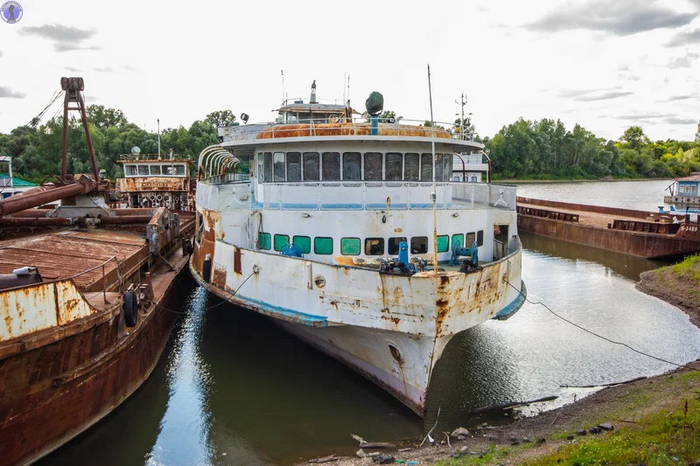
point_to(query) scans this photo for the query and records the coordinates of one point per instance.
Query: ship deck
(594, 219)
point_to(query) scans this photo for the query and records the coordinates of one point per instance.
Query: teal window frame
(443, 243)
(264, 241)
(299, 241)
(343, 248)
(318, 239)
(457, 239)
(282, 246)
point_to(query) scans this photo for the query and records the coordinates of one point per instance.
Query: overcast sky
(606, 65)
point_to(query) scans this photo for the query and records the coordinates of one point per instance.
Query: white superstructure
(348, 201)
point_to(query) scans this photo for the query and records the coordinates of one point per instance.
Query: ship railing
(350, 126)
(384, 195)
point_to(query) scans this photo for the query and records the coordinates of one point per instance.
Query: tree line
(545, 149)
(525, 149)
(36, 149)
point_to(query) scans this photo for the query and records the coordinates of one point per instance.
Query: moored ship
(86, 294)
(350, 235)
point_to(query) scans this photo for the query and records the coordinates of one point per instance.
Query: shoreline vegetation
(651, 420)
(543, 150)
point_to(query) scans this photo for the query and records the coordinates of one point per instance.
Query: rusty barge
(85, 301)
(638, 233)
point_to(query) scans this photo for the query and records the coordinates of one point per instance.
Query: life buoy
(130, 308)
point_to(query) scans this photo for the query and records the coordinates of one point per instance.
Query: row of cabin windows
(352, 166)
(323, 245)
(154, 170)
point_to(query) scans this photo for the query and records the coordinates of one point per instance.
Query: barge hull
(61, 403)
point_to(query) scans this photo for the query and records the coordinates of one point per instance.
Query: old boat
(153, 181)
(85, 300)
(684, 192)
(332, 227)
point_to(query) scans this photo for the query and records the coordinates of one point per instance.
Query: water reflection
(534, 353)
(183, 436)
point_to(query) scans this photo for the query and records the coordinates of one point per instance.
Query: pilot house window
(352, 166)
(293, 166)
(374, 162)
(280, 173)
(311, 166)
(411, 169)
(331, 166)
(394, 166)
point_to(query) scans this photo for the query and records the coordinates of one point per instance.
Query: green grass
(689, 269)
(659, 439)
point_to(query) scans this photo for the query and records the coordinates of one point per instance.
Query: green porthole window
(303, 243)
(443, 243)
(264, 241)
(281, 241)
(350, 246)
(457, 241)
(323, 245)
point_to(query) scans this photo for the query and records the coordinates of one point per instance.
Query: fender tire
(131, 309)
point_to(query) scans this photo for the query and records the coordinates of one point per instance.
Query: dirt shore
(621, 405)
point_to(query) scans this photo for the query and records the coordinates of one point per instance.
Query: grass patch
(689, 269)
(658, 439)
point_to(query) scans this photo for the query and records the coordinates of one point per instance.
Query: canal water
(232, 388)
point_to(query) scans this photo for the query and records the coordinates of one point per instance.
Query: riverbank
(653, 420)
(630, 410)
(676, 284)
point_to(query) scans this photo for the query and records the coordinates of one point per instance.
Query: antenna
(158, 138)
(433, 195)
(348, 90)
(283, 99)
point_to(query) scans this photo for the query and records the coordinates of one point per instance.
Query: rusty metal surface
(152, 183)
(52, 393)
(42, 195)
(546, 213)
(348, 129)
(69, 253)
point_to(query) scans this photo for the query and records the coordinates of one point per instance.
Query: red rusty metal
(34, 221)
(73, 88)
(43, 195)
(125, 219)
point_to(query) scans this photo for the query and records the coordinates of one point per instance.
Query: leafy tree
(220, 118)
(103, 117)
(634, 138)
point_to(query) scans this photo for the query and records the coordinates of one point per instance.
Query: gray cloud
(680, 97)
(680, 121)
(603, 96)
(73, 70)
(622, 18)
(681, 62)
(65, 38)
(7, 93)
(0, 53)
(685, 38)
(105, 69)
(648, 118)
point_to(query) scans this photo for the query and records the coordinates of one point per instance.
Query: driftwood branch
(604, 384)
(433, 428)
(513, 405)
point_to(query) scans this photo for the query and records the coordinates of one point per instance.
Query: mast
(433, 195)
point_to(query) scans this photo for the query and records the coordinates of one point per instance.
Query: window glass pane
(179, 170)
(394, 166)
(447, 161)
(352, 166)
(294, 166)
(426, 167)
(281, 241)
(264, 241)
(260, 167)
(311, 166)
(411, 170)
(168, 170)
(469, 240)
(130, 170)
(443, 243)
(155, 169)
(323, 245)
(278, 160)
(374, 162)
(331, 166)
(394, 245)
(438, 167)
(480, 238)
(303, 242)
(143, 169)
(267, 169)
(350, 246)
(419, 244)
(374, 246)
(457, 241)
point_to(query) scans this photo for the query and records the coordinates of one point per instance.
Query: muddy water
(232, 388)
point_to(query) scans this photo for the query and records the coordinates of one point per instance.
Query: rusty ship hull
(67, 356)
(633, 232)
